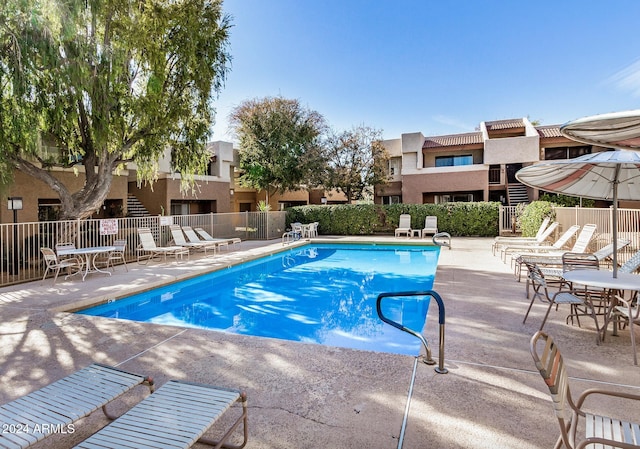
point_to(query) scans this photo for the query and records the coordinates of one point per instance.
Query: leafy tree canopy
(99, 83)
(356, 161)
(279, 142)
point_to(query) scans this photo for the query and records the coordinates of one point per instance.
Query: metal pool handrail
(440, 369)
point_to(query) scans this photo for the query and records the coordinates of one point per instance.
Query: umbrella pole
(615, 221)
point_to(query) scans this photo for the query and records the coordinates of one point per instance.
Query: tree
(279, 143)
(106, 82)
(357, 161)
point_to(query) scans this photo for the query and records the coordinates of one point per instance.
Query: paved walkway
(310, 396)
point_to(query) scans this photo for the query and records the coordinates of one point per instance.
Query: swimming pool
(320, 293)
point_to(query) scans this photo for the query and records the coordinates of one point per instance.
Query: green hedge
(458, 219)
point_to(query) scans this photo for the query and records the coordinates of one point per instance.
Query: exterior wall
(412, 153)
(31, 190)
(451, 179)
(165, 190)
(512, 150)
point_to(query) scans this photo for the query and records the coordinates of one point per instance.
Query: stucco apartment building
(217, 191)
(476, 166)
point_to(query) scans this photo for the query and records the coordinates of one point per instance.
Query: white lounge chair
(404, 226)
(62, 403)
(149, 248)
(537, 248)
(193, 238)
(220, 242)
(539, 239)
(554, 258)
(179, 239)
(541, 230)
(430, 225)
(176, 416)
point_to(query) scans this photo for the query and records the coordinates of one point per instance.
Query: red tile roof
(549, 131)
(452, 140)
(505, 124)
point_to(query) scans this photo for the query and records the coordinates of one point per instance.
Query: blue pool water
(321, 293)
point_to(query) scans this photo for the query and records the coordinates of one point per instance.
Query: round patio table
(89, 254)
(604, 279)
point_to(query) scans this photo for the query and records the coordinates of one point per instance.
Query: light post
(15, 204)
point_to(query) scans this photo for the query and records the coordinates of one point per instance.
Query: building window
(178, 208)
(452, 161)
(394, 167)
(391, 199)
(551, 154)
(454, 198)
(49, 209)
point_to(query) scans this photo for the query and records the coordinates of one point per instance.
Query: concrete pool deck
(307, 396)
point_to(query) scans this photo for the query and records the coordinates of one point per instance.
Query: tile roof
(549, 131)
(452, 140)
(504, 124)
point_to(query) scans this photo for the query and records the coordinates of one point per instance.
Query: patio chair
(64, 402)
(540, 289)
(601, 255)
(554, 258)
(148, 247)
(179, 239)
(631, 265)
(600, 431)
(54, 264)
(193, 238)
(404, 226)
(627, 311)
(220, 242)
(543, 234)
(537, 248)
(176, 416)
(430, 225)
(117, 254)
(61, 248)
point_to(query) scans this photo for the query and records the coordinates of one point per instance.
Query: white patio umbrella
(614, 130)
(608, 175)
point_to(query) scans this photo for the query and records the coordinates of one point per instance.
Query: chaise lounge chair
(554, 258)
(220, 242)
(537, 247)
(179, 239)
(193, 238)
(404, 226)
(149, 248)
(430, 226)
(64, 402)
(539, 239)
(176, 416)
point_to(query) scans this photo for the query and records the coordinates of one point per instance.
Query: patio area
(308, 396)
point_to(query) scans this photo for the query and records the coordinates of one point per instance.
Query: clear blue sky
(438, 67)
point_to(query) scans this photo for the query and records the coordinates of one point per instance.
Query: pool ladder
(440, 369)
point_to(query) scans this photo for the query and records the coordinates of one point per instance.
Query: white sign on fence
(166, 220)
(109, 226)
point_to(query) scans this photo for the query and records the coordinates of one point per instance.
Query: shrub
(458, 219)
(532, 216)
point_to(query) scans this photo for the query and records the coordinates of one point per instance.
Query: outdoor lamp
(15, 203)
